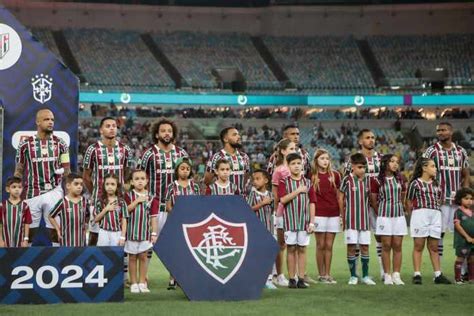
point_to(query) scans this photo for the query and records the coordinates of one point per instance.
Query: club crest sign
(218, 246)
(42, 88)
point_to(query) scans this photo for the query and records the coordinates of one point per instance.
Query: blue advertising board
(40, 275)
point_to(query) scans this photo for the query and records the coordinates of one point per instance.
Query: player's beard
(164, 141)
(236, 145)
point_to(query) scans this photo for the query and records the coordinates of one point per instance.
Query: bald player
(41, 160)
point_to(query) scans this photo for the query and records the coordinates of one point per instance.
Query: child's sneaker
(396, 279)
(301, 284)
(368, 281)
(134, 288)
(441, 279)
(387, 280)
(417, 279)
(281, 280)
(171, 285)
(353, 280)
(143, 288)
(459, 282)
(269, 285)
(292, 284)
(330, 280)
(322, 279)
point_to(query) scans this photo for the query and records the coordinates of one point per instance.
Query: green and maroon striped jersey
(73, 219)
(139, 219)
(41, 158)
(356, 197)
(175, 189)
(264, 213)
(239, 166)
(449, 165)
(389, 196)
(112, 221)
(103, 160)
(217, 189)
(296, 216)
(424, 194)
(373, 165)
(13, 218)
(159, 166)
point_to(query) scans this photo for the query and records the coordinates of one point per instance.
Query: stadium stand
(401, 56)
(116, 58)
(196, 54)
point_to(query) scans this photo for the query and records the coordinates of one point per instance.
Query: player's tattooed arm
(19, 169)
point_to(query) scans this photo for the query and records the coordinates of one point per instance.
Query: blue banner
(40, 275)
(32, 78)
(216, 248)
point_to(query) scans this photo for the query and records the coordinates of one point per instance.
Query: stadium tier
(401, 56)
(121, 61)
(117, 58)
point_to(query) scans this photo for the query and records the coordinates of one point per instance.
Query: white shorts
(323, 224)
(136, 247)
(354, 237)
(425, 223)
(108, 238)
(42, 205)
(300, 238)
(161, 218)
(447, 212)
(391, 226)
(279, 222)
(93, 226)
(372, 220)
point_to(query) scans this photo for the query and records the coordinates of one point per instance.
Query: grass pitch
(320, 299)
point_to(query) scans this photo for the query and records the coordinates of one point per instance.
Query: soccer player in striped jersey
(222, 185)
(15, 216)
(111, 213)
(184, 183)
(238, 160)
(105, 156)
(260, 200)
(292, 132)
(297, 195)
(142, 208)
(422, 203)
(159, 163)
(41, 160)
(354, 200)
(464, 235)
(73, 213)
(281, 172)
(326, 183)
(388, 192)
(366, 140)
(452, 164)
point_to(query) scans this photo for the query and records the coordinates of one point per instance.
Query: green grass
(340, 299)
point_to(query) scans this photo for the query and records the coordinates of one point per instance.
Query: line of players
(307, 196)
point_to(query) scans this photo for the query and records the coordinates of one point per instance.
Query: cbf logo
(217, 245)
(4, 44)
(42, 88)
